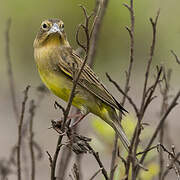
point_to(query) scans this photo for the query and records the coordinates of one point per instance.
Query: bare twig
(50, 158)
(31, 144)
(170, 166)
(75, 82)
(63, 164)
(114, 155)
(100, 11)
(9, 70)
(165, 94)
(123, 93)
(151, 148)
(150, 95)
(176, 57)
(95, 174)
(56, 104)
(54, 159)
(96, 156)
(128, 76)
(94, 32)
(171, 106)
(19, 132)
(145, 100)
(152, 49)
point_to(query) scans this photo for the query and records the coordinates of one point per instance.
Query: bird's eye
(44, 26)
(62, 26)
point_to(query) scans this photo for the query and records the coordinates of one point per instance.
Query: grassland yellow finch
(56, 61)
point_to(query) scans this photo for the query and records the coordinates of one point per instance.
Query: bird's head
(51, 32)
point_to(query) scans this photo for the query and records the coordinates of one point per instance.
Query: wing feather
(70, 62)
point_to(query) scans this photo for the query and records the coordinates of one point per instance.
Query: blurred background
(112, 57)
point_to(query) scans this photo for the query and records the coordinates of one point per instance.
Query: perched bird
(57, 61)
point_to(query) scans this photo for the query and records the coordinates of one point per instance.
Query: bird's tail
(121, 134)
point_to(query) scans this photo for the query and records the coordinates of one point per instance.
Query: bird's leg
(76, 115)
(81, 117)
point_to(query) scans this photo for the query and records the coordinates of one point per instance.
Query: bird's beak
(55, 29)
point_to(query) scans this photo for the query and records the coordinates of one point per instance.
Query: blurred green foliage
(113, 47)
(104, 138)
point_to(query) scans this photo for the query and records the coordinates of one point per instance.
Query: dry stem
(19, 132)
(9, 70)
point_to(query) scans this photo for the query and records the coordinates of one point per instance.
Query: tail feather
(121, 134)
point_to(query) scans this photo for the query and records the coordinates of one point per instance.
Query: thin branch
(144, 103)
(164, 92)
(75, 82)
(96, 156)
(171, 106)
(50, 158)
(100, 12)
(131, 33)
(123, 93)
(176, 57)
(114, 155)
(19, 132)
(170, 166)
(54, 159)
(149, 98)
(147, 150)
(31, 144)
(9, 70)
(152, 49)
(95, 174)
(128, 76)
(63, 164)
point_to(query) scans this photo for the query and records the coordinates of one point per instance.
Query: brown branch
(75, 82)
(157, 130)
(127, 87)
(96, 156)
(131, 34)
(95, 174)
(114, 155)
(31, 143)
(123, 93)
(152, 49)
(50, 158)
(9, 70)
(19, 133)
(144, 103)
(147, 150)
(63, 164)
(165, 94)
(100, 11)
(176, 57)
(170, 166)
(151, 91)
(54, 159)
(90, 60)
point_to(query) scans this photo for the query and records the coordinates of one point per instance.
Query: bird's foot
(79, 119)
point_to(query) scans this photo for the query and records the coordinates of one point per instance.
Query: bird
(56, 62)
